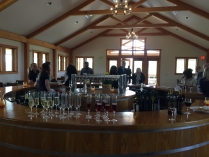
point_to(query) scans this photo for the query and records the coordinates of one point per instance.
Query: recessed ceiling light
(88, 16)
(187, 17)
(76, 22)
(174, 12)
(49, 3)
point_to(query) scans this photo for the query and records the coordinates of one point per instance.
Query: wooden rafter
(82, 30)
(182, 39)
(181, 26)
(134, 10)
(144, 18)
(133, 26)
(191, 8)
(6, 3)
(117, 20)
(59, 19)
(138, 3)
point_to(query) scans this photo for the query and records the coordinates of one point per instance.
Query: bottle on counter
(180, 103)
(26, 99)
(169, 100)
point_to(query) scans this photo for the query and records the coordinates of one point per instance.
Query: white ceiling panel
(81, 38)
(151, 30)
(66, 28)
(203, 4)
(25, 16)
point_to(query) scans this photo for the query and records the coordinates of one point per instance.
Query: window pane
(126, 52)
(112, 52)
(8, 59)
(35, 58)
(126, 44)
(129, 44)
(153, 53)
(90, 60)
(137, 64)
(59, 63)
(44, 58)
(152, 72)
(138, 53)
(64, 66)
(111, 63)
(79, 63)
(180, 62)
(192, 63)
(138, 44)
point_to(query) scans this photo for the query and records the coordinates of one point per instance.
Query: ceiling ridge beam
(183, 39)
(191, 8)
(6, 3)
(181, 26)
(134, 10)
(132, 26)
(59, 19)
(82, 30)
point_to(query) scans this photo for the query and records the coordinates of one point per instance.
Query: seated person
(44, 83)
(113, 71)
(86, 69)
(33, 73)
(188, 80)
(70, 70)
(138, 77)
(204, 82)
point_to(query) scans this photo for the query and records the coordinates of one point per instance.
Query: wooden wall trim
(55, 63)
(26, 60)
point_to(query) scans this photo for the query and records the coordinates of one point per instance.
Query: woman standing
(44, 78)
(204, 82)
(114, 71)
(70, 70)
(138, 77)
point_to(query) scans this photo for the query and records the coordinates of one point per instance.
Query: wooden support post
(26, 60)
(55, 63)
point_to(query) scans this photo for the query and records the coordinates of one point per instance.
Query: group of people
(199, 81)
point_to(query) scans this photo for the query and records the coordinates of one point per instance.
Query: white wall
(20, 75)
(170, 47)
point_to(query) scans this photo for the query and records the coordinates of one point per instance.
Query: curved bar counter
(133, 135)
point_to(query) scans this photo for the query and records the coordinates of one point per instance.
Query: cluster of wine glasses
(104, 102)
(50, 99)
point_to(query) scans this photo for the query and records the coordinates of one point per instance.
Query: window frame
(186, 63)
(40, 57)
(3, 48)
(62, 62)
(84, 59)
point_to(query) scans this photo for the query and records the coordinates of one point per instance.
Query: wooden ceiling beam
(82, 30)
(183, 39)
(191, 8)
(143, 19)
(139, 31)
(140, 34)
(134, 10)
(6, 3)
(132, 26)
(117, 20)
(181, 26)
(59, 19)
(138, 3)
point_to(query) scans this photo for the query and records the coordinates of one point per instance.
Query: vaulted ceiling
(72, 23)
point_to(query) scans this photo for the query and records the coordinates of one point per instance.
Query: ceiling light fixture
(49, 3)
(121, 5)
(132, 35)
(88, 16)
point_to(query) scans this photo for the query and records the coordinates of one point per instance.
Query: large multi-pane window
(81, 60)
(8, 59)
(183, 63)
(40, 57)
(62, 62)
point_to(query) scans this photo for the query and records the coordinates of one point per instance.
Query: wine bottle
(180, 104)
(26, 99)
(169, 98)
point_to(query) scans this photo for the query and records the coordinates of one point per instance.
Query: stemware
(56, 101)
(76, 101)
(88, 103)
(172, 109)
(31, 104)
(107, 107)
(98, 107)
(70, 85)
(36, 102)
(78, 104)
(206, 101)
(114, 106)
(51, 103)
(103, 104)
(188, 103)
(93, 89)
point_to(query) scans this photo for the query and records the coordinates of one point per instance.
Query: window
(8, 59)
(40, 57)
(80, 62)
(132, 47)
(183, 63)
(62, 62)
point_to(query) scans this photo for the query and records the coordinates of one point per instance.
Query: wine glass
(188, 103)
(76, 101)
(56, 101)
(36, 102)
(107, 107)
(51, 103)
(114, 106)
(103, 104)
(93, 89)
(31, 104)
(70, 85)
(88, 103)
(206, 101)
(78, 104)
(172, 109)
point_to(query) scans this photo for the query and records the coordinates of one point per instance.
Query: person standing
(138, 77)
(129, 74)
(122, 69)
(33, 73)
(44, 83)
(86, 69)
(204, 82)
(113, 71)
(70, 70)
